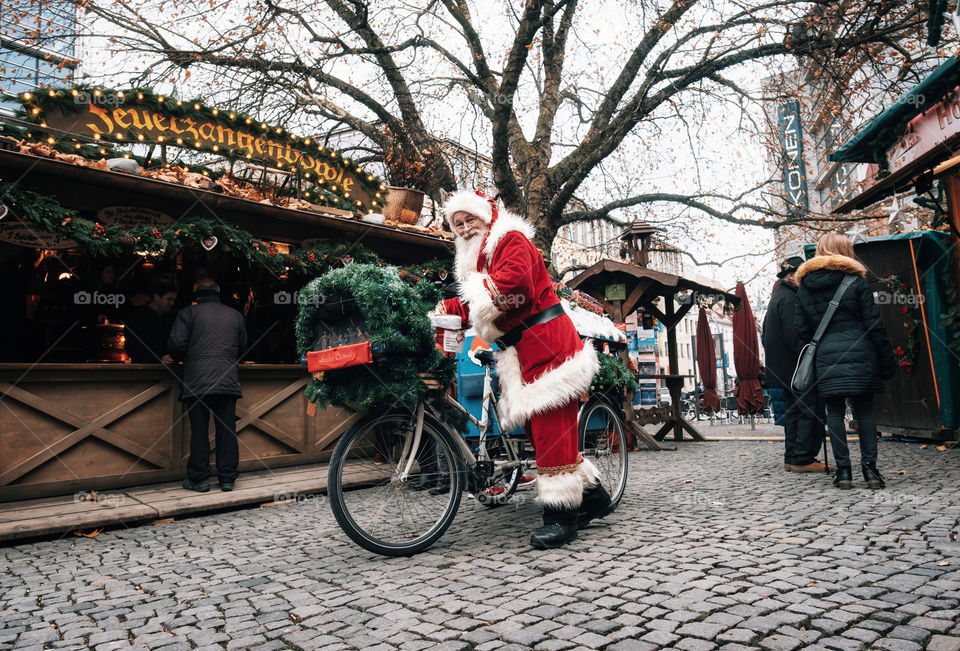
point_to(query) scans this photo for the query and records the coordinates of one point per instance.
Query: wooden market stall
(666, 296)
(70, 420)
(913, 144)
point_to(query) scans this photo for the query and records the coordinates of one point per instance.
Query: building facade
(38, 45)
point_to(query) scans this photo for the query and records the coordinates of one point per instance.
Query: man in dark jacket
(803, 427)
(210, 338)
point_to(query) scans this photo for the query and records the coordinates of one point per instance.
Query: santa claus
(507, 295)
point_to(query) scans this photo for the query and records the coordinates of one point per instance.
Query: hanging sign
(925, 132)
(28, 235)
(794, 170)
(616, 292)
(144, 117)
(131, 216)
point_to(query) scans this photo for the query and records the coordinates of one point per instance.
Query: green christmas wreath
(394, 316)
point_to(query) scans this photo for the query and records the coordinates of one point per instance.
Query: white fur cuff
(588, 472)
(563, 491)
(483, 311)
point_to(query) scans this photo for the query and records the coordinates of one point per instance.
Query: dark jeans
(224, 410)
(803, 430)
(862, 407)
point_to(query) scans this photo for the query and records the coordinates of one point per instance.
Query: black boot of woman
(843, 479)
(872, 476)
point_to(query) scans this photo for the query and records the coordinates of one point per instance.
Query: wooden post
(674, 369)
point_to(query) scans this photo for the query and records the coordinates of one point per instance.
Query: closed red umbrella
(746, 356)
(707, 363)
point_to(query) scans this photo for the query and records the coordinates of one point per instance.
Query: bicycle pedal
(485, 468)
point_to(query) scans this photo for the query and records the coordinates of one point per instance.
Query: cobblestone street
(714, 546)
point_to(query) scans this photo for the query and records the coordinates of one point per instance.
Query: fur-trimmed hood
(831, 263)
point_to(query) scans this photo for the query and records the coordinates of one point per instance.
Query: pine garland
(394, 314)
(613, 375)
(99, 241)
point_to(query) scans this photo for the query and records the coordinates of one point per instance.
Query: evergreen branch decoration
(109, 241)
(613, 375)
(394, 315)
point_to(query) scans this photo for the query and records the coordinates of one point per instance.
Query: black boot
(423, 482)
(872, 476)
(442, 487)
(596, 504)
(843, 478)
(559, 528)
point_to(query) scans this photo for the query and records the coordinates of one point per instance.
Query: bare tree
(556, 91)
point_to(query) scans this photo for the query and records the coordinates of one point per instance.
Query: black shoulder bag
(805, 376)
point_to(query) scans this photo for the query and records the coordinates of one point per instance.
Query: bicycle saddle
(485, 356)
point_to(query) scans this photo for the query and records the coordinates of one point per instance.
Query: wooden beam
(635, 295)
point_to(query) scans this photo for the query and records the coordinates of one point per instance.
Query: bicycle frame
(483, 425)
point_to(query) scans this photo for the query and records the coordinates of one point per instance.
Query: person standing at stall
(144, 331)
(854, 355)
(507, 295)
(803, 428)
(210, 338)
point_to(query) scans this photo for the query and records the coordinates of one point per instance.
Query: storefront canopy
(872, 142)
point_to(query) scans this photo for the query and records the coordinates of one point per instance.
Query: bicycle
(384, 455)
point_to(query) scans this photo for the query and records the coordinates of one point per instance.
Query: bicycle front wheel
(386, 502)
(603, 440)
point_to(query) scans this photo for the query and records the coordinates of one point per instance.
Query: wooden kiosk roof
(643, 284)
(87, 188)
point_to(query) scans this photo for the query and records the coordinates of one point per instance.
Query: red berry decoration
(156, 233)
(311, 257)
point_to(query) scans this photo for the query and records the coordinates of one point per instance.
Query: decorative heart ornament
(209, 242)
(443, 274)
(3, 210)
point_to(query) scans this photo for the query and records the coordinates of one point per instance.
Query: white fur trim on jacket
(588, 472)
(467, 201)
(483, 311)
(563, 491)
(554, 388)
(507, 222)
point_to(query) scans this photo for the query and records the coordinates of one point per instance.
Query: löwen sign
(240, 138)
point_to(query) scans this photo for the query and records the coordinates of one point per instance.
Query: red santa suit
(502, 284)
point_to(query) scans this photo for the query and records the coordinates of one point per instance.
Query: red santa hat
(469, 201)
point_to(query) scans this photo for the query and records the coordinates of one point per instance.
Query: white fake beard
(468, 250)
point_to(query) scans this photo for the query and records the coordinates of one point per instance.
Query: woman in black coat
(854, 355)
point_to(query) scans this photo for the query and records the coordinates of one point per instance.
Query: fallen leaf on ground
(923, 447)
(88, 534)
(901, 472)
(162, 521)
(941, 563)
(942, 448)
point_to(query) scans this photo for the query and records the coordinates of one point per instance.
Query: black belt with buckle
(513, 337)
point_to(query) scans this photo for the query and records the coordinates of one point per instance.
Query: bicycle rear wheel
(603, 440)
(374, 504)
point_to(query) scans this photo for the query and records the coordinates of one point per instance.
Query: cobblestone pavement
(714, 546)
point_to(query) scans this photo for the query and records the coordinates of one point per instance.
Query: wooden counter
(66, 428)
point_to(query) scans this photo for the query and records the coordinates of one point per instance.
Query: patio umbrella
(707, 363)
(746, 357)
